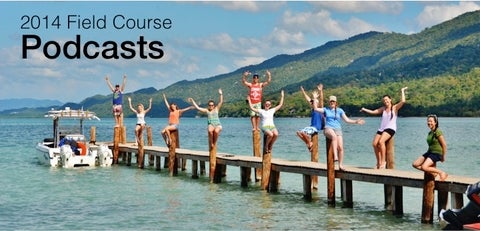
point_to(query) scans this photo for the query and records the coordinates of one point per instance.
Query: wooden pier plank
(414, 178)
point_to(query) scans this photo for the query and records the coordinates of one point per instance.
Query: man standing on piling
(117, 100)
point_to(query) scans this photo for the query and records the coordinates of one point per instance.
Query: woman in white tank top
(388, 126)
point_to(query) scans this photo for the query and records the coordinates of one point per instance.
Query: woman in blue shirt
(333, 127)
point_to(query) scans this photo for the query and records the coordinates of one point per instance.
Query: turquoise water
(126, 198)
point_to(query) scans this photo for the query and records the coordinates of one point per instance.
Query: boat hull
(65, 157)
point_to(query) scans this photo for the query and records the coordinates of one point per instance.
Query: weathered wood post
(256, 153)
(123, 136)
(195, 169)
(314, 158)
(173, 133)
(172, 156)
(390, 154)
(428, 198)
(141, 152)
(151, 158)
(266, 164)
(330, 173)
(212, 149)
(93, 135)
(116, 141)
(202, 168)
(393, 195)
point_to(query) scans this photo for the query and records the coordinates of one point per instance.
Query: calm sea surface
(126, 198)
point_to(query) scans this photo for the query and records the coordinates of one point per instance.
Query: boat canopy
(73, 114)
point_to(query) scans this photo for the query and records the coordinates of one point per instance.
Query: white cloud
(322, 23)
(384, 7)
(435, 13)
(251, 6)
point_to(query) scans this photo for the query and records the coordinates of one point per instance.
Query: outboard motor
(469, 214)
(105, 156)
(66, 154)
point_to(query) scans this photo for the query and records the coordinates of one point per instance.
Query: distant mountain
(8, 104)
(440, 65)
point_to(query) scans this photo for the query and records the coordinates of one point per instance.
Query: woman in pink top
(255, 95)
(173, 119)
(388, 126)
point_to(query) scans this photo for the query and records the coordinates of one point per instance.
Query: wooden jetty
(393, 180)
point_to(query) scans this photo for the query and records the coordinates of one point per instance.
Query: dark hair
(435, 118)
(391, 106)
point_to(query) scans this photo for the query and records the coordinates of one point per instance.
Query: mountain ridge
(371, 62)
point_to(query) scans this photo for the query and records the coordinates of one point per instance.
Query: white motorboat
(68, 147)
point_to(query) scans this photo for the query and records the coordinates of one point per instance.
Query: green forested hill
(440, 65)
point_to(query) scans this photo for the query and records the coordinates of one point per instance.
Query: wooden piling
(266, 164)
(347, 193)
(307, 189)
(330, 173)
(314, 158)
(116, 141)
(245, 173)
(212, 149)
(93, 134)
(274, 181)
(428, 198)
(150, 143)
(141, 152)
(256, 153)
(172, 159)
(123, 135)
(195, 169)
(390, 153)
(393, 195)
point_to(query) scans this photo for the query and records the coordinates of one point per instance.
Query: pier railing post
(172, 158)
(330, 173)
(428, 198)
(266, 165)
(141, 152)
(256, 152)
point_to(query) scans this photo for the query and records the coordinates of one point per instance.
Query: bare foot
(443, 176)
(382, 166)
(310, 147)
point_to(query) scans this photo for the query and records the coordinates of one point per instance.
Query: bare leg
(274, 138)
(215, 135)
(330, 133)
(306, 139)
(340, 152)
(376, 150)
(383, 149)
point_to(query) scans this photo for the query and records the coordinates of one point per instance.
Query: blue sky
(205, 38)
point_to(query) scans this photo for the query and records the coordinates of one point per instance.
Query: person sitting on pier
(333, 127)
(213, 120)
(316, 122)
(141, 111)
(387, 128)
(437, 150)
(255, 94)
(266, 115)
(173, 119)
